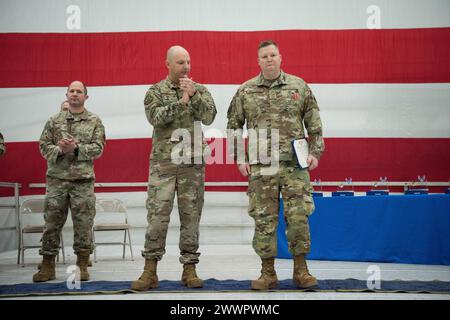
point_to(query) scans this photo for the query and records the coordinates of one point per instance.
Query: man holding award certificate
(278, 106)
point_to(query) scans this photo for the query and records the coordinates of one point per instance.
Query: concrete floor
(222, 262)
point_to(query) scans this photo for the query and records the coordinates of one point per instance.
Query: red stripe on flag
(362, 159)
(318, 56)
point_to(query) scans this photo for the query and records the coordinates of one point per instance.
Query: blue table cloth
(393, 228)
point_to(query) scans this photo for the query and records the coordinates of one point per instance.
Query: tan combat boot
(189, 277)
(82, 263)
(149, 278)
(302, 277)
(268, 278)
(47, 271)
(89, 264)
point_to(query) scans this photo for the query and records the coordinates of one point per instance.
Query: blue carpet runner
(213, 285)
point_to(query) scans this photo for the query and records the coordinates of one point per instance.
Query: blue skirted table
(393, 228)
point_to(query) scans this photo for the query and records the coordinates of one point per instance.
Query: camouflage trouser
(187, 181)
(264, 192)
(79, 196)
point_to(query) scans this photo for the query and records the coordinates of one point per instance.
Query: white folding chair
(32, 222)
(111, 215)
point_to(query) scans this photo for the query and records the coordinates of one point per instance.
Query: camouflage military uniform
(285, 104)
(2, 145)
(70, 178)
(167, 114)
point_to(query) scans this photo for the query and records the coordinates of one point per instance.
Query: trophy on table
(379, 188)
(418, 187)
(317, 186)
(345, 189)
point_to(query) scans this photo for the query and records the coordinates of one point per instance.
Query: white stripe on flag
(347, 110)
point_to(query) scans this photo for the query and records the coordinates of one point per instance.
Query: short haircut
(84, 87)
(266, 43)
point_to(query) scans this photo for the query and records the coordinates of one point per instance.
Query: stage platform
(222, 262)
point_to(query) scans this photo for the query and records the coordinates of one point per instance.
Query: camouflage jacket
(2, 145)
(166, 114)
(287, 105)
(87, 129)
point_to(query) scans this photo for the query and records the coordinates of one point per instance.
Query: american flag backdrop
(380, 71)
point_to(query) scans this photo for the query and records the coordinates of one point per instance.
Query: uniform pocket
(309, 203)
(253, 181)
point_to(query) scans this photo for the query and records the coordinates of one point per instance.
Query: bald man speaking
(175, 107)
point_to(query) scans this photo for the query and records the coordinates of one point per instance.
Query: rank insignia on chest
(295, 95)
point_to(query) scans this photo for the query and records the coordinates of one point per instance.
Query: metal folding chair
(31, 222)
(111, 215)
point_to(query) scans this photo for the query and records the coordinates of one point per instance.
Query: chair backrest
(110, 205)
(110, 208)
(32, 212)
(32, 206)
